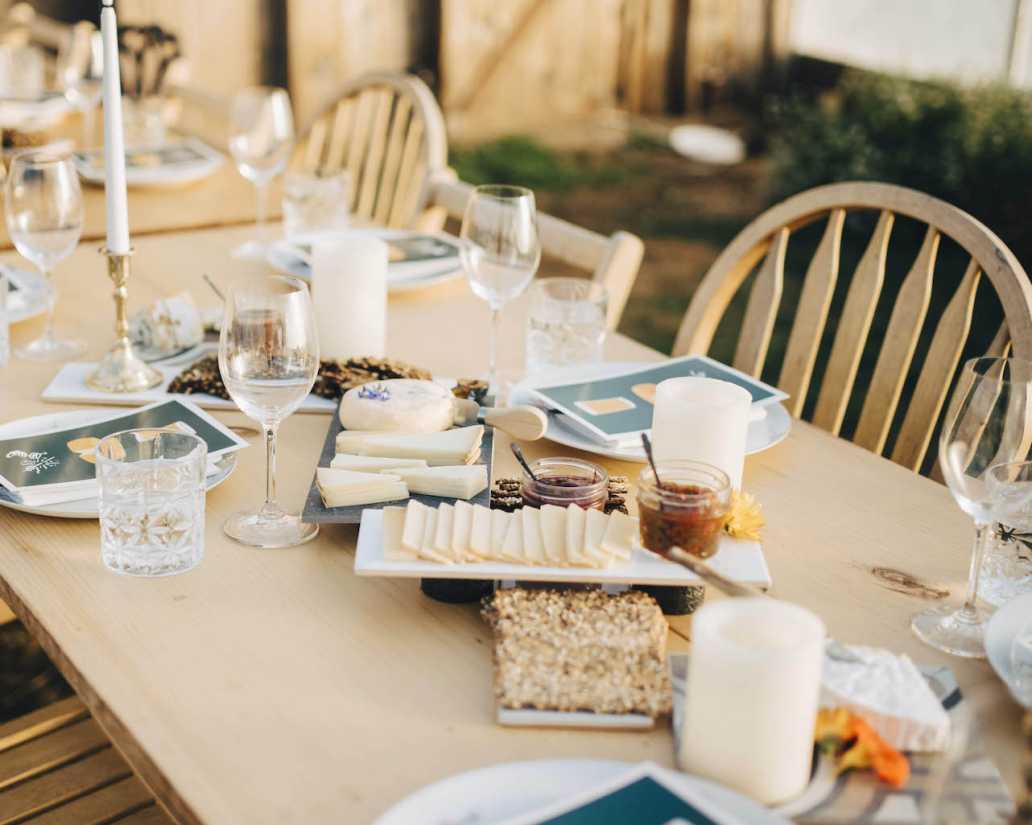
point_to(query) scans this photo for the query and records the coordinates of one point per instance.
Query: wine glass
(500, 252)
(988, 422)
(44, 219)
(269, 357)
(80, 69)
(261, 141)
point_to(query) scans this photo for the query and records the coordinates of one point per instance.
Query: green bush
(969, 146)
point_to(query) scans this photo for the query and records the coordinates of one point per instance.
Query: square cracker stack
(580, 651)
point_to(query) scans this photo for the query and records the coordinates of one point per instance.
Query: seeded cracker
(579, 651)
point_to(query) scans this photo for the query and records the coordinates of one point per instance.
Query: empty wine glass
(80, 68)
(261, 141)
(44, 219)
(988, 422)
(500, 252)
(269, 357)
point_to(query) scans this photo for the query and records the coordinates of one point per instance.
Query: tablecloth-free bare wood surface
(277, 687)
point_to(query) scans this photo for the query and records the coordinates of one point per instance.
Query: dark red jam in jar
(688, 511)
(565, 481)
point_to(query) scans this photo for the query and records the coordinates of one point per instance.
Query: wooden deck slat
(56, 787)
(48, 752)
(41, 722)
(108, 804)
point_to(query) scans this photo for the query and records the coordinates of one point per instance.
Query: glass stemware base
(253, 250)
(49, 348)
(269, 528)
(952, 630)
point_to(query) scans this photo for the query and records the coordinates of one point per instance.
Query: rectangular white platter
(69, 387)
(742, 561)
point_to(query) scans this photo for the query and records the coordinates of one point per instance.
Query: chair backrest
(387, 131)
(613, 260)
(766, 239)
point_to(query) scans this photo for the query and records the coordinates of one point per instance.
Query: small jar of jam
(688, 511)
(565, 481)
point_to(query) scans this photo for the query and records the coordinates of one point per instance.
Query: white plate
(764, 432)
(283, 256)
(500, 792)
(1003, 627)
(175, 174)
(85, 508)
(30, 298)
(740, 560)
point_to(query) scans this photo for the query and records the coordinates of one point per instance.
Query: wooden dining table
(276, 686)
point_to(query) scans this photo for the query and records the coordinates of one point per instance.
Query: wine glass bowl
(79, 70)
(269, 358)
(500, 251)
(987, 423)
(44, 215)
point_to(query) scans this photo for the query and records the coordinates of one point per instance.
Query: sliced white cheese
(890, 693)
(513, 546)
(426, 549)
(372, 464)
(575, 522)
(499, 528)
(533, 550)
(443, 532)
(462, 526)
(415, 524)
(393, 527)
(463, 481)
(594, 530)
(618, 540)
(553, 534)
(345, 488)
(480, 533)
(457, 446)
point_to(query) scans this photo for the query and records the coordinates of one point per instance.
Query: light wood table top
(277, 687)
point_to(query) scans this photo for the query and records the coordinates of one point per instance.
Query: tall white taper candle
(114, 139)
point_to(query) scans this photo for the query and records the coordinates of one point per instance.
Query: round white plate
(499, 792)
(204, 161)
(85, 508)
(764, 432)
(283, 256)
(30, 298)
(1004, 625)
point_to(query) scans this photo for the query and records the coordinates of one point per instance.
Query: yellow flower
(745, 520)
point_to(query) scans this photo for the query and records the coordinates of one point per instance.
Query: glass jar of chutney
(688, 510)
(565, 481)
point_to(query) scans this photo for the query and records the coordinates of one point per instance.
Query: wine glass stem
(270, 507)
(982, 536)
(492, 364)
(48, 329)
(260, 209)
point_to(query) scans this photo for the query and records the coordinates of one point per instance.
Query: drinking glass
(315, 203)
(44, 219)
(566, 322)
(152, 491)
(500, 252)
(269, 357)
(261, 141)
(80, 69)
(987, 423)
(1007, 565)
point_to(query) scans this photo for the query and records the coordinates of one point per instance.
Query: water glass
(152, 492)
(314, 202)
(1007, 565)
(566, 323)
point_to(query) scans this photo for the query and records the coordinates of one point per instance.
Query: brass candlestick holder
(121, 370)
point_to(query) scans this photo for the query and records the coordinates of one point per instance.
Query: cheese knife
(525, 423)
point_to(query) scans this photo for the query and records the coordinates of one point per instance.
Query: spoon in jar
(516, 451)
(652, 461)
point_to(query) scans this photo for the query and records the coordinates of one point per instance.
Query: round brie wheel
(398, 405)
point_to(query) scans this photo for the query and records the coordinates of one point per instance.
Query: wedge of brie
(890, 693)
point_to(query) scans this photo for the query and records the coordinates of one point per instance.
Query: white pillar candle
(349, 288)
(114, 140)
(751, 703)
(702, 419)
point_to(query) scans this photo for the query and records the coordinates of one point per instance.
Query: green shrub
(969, 146)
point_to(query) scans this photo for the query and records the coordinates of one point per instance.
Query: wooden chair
(388, 132)
(58, 768)
(767, 238)
(612, 261)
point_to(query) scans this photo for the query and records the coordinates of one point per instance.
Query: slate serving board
(316, 512)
